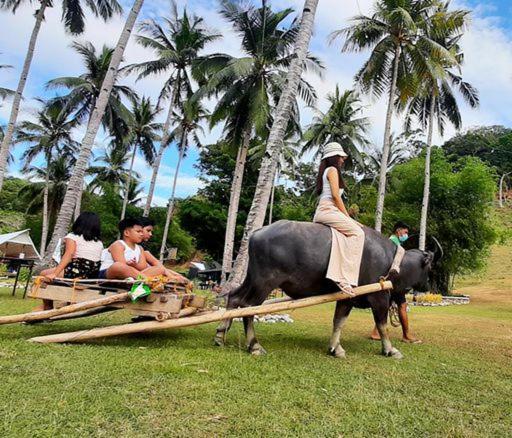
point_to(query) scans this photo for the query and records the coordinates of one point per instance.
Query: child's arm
(151, 259)
(142, 263)
(117, 252)
(64, 261)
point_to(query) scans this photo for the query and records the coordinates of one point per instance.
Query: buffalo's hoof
(257, 350)
(337, 352)
(219, 341)
(394, 353)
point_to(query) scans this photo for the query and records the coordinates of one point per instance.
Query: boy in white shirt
(125, 258)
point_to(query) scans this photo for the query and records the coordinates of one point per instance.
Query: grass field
(175, 383)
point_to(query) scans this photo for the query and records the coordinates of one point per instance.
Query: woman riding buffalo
(347, 234)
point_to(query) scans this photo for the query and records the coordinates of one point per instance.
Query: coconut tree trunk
(426, 184)
(166, 131)
(502, 181)
(6, 143)
(78, 206)
(44, 228)
(77, 178)
(379, 211)
(170, 206)
(271, 208)
(234, 202)
(128, 183)
(268, 167)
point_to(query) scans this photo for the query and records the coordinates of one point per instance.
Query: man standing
(399, 236)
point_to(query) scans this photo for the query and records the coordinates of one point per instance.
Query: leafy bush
(460, 210)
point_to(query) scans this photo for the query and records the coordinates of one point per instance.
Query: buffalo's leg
(380, 315)
(224, 326)
(340, 317)
(253, 345)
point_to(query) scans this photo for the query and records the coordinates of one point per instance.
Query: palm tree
(188, 127)
(113, 170)
(402, 148)
(40, 193)
(85, 89)
(5, 92)
(176, 44)
(435, 100)
(250, 87)
(76, 181)
(50, 134)
(281, 119)
(134, 192)
(399, 47)
(74, 22)
(341, 123)
(287, 162)
(142, 135)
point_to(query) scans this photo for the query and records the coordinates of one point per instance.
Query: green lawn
(175, 383)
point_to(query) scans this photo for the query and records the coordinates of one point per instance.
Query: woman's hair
(88, 226)
(324, 164)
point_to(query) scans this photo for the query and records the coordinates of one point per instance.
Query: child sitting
(125, 258)
(82, 255)
(148, 226)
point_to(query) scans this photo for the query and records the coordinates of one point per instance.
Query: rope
(394, 318)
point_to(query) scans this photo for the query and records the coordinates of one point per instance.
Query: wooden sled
(74, 299)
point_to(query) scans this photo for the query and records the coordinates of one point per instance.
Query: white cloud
(487, 47)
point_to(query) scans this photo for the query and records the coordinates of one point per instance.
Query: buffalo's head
(414, 271)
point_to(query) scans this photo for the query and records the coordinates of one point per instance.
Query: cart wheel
(161, 316)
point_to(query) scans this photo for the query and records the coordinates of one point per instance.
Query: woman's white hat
(332, 149)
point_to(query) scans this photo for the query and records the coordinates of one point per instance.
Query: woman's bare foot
(346, 288)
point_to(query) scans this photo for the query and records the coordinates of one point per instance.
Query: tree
(77, 178)
(85, 90)
(402, 148)
(188, 127)
(281, 119)
(342, 123)
(114, 171)
(249, 88)
(461, 199)
(142, 134)
(49, 135)
(435, 99)
(177, 47)
(41, 195)
(74, 22)
(399, 47)
(5, 92)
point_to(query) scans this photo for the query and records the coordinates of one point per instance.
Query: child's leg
(47, 304)
(120, 271)
(153, 271)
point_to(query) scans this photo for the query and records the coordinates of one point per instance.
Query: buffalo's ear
(428, 258)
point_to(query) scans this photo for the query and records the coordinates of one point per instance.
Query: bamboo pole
(46, 314)
(218, 315)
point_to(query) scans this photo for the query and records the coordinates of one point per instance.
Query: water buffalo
(294, 256)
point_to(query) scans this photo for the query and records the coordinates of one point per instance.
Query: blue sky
(487, 46)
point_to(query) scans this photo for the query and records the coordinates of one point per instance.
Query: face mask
(403, 238)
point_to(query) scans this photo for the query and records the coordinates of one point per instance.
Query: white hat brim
(334, 153)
